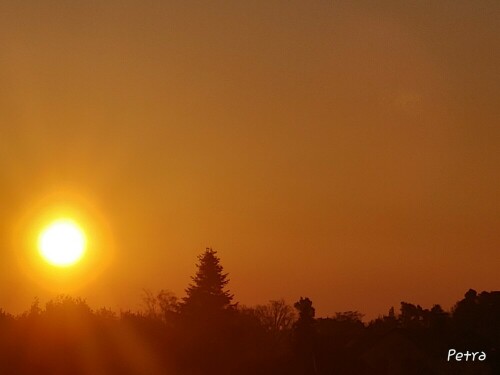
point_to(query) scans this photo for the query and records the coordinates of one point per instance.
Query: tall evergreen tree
(207, 318)
(207, 293)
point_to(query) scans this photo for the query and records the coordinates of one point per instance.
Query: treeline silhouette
(206, 332)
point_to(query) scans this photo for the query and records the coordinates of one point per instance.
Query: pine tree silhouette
(207, 294)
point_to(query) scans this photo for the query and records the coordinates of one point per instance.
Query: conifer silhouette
(207, 292)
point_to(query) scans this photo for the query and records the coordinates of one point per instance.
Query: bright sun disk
(62, 243)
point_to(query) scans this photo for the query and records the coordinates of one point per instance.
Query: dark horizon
(208, 333)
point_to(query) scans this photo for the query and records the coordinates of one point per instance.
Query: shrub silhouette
(207, 333)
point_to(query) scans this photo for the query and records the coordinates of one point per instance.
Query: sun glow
(62, 243)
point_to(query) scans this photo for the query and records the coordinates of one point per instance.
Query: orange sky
(344, 151)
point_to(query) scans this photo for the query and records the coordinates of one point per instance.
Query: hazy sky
(347, 151)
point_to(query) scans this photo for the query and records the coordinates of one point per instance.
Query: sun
(62, 243)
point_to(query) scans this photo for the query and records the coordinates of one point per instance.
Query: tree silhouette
(411, 316)
(207, 294)
(66, 336)
(305, 336)
(276, 316)
(163, 306)
(206, 315)
(306, 312)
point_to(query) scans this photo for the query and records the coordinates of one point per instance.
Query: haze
(343, 151)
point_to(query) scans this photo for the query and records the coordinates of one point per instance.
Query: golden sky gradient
(344, 151)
